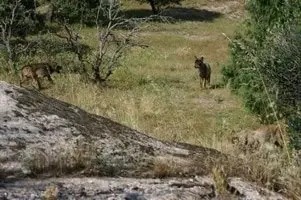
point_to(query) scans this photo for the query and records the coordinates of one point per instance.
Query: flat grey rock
(129, 189)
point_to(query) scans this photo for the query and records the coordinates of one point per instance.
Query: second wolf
(37, 71)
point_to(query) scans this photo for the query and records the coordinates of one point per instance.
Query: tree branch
(113, 43)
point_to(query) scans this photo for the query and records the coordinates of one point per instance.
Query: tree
(75, 46)
(17, 20)
(156, 5)
(115, 37)
(265, 66)
(76, 10)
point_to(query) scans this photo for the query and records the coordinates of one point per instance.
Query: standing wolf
(37, 71)
(204, 71)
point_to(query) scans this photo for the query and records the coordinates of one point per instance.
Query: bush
(24, 22)
(265, 66)
(77, 11)
(294, 123)
(279, 63)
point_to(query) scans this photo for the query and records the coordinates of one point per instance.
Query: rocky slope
(44, 137)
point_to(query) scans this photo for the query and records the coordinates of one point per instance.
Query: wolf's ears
(202, 58)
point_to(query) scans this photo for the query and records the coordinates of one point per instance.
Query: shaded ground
(197, 12)
(178, 13)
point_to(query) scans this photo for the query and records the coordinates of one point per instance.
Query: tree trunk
(83, 69)
(10, 57)
(153, 5)
(96, 73)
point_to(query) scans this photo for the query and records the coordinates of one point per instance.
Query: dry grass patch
(270, 170)
(63, 158)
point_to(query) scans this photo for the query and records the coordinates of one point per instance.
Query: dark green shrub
(76, 11)
(265, 65)
(25, 20)
(294, 124)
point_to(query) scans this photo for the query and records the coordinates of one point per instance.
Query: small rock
(134, 196)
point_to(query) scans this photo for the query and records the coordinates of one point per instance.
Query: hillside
(156, 90)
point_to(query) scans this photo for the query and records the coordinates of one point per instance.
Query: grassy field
(156, 89)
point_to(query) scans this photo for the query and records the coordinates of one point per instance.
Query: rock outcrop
(44, 137)
(41, 135)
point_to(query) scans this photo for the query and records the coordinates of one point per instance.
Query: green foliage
(280, 62)
(294, 123)
(77, 11)
(17, 21)
(265, 66)
(24, 22)
(269, 14)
